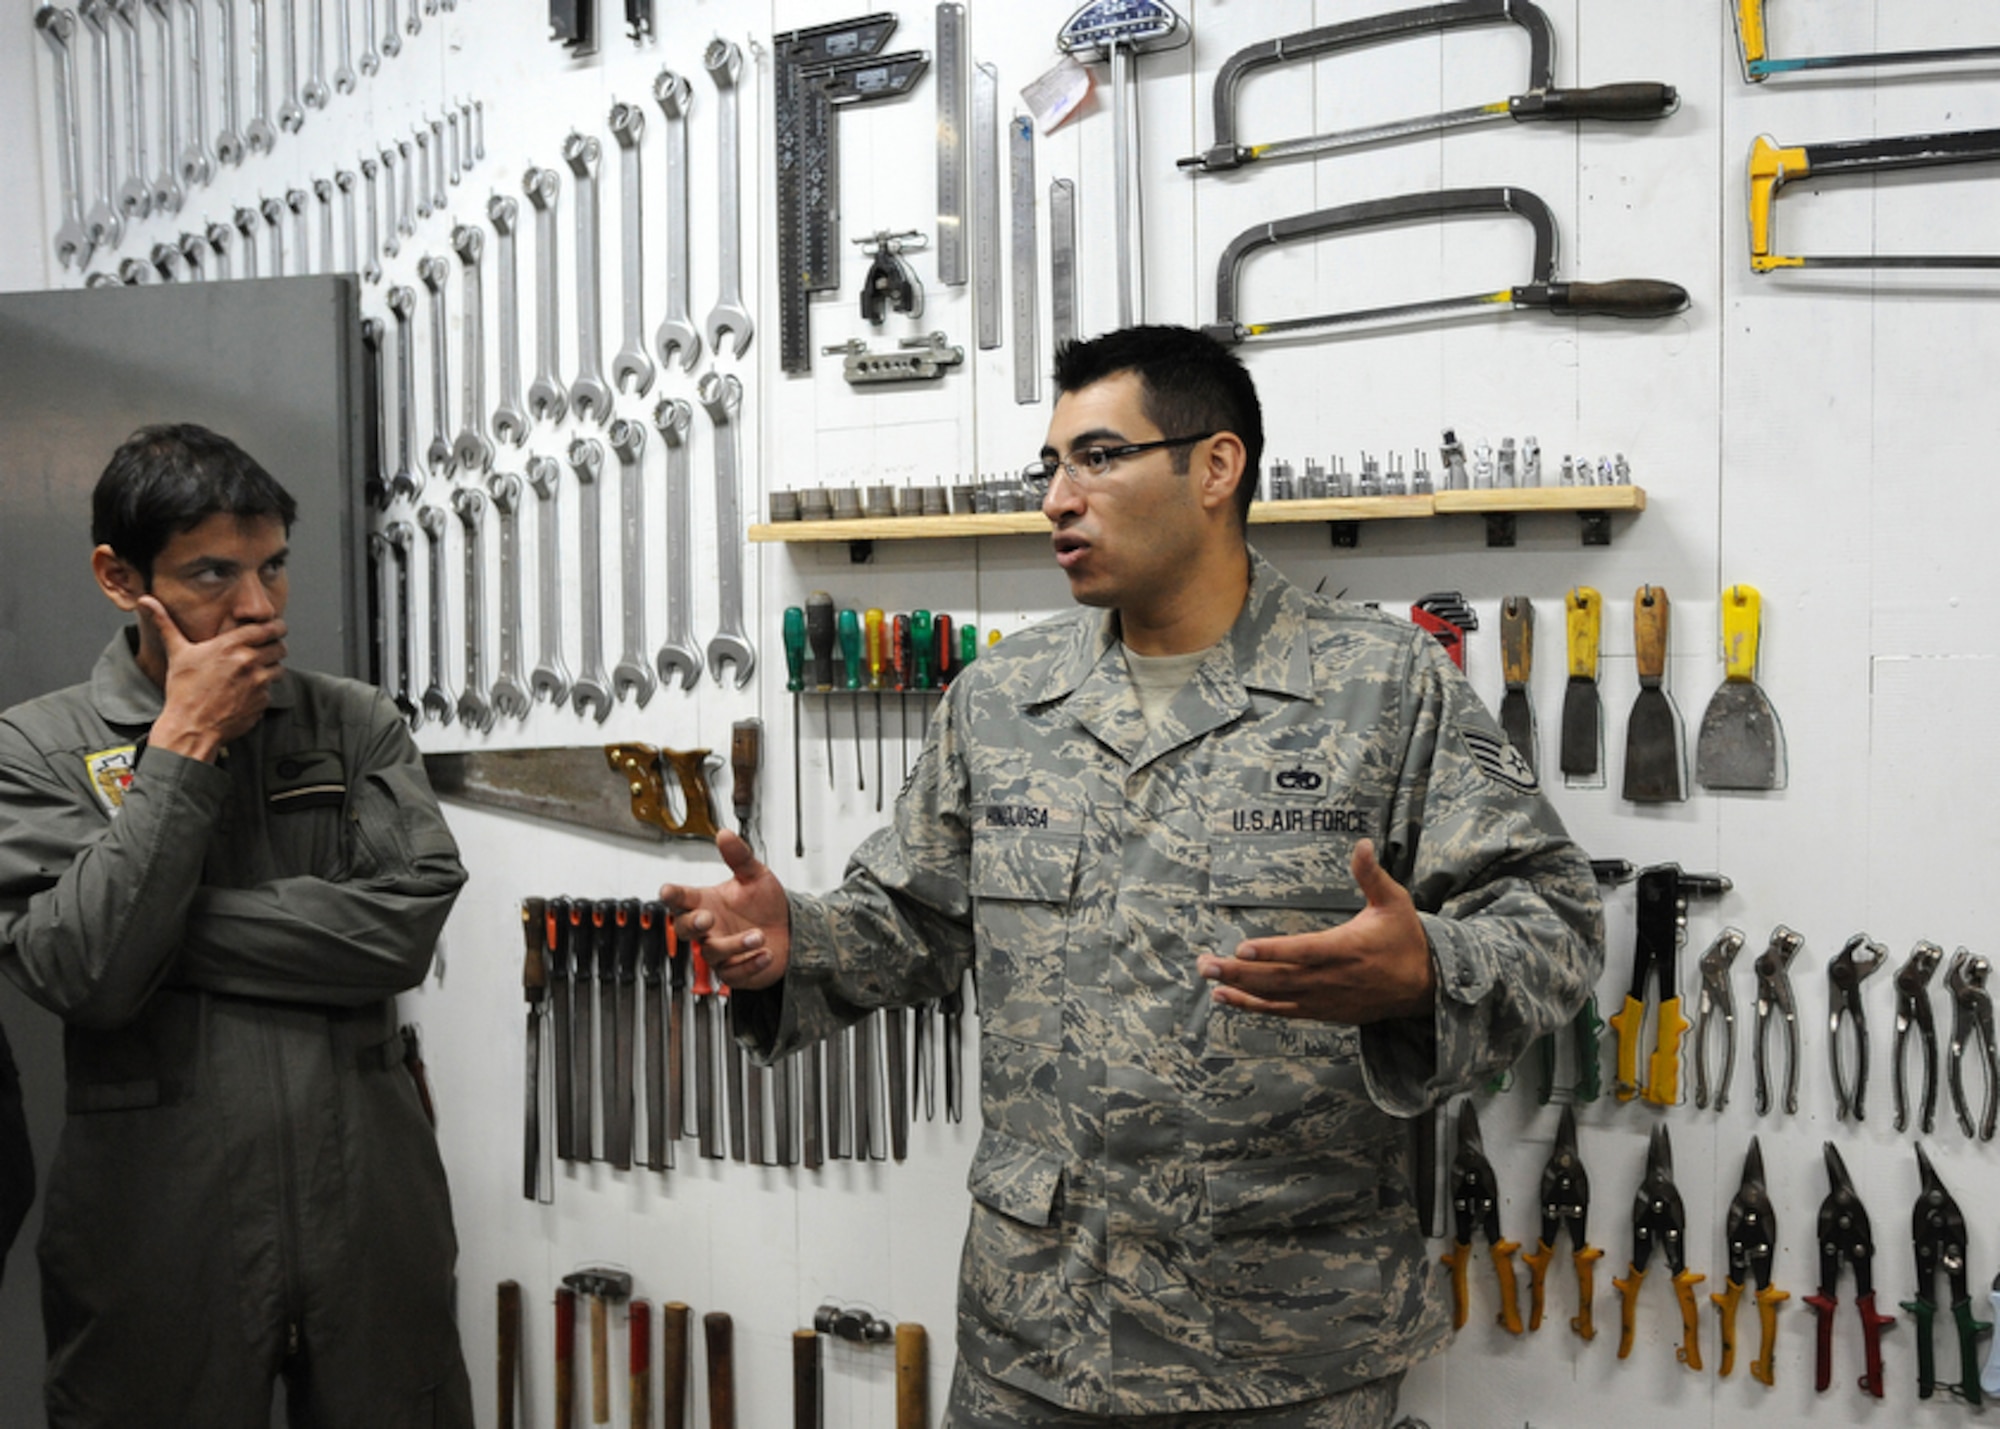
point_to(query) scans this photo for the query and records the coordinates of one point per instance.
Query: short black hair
(1189, 383)
(170, 478)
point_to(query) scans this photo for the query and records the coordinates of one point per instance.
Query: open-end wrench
(677, 334)
(406, 218)
(297, 202)
(392, 244)
(229, 140)
(548, 399)
(167, 195)
(373, 271)
(105, 220)
(400, 539)
(134, 272)
(249, 223)
(413, 23)
(371, 52)
(471, 449)
(437, 699)
(166, 261)
(438, 200)
(135, 193)
(721, 396)
(631, 368)
(392, 33)
(510, 422)
(407, 480)
(273, 211)
(589, 396)
(220, 235)
(314, 94)
(457, 161)
(343, 74)
(194, 254)
(258, 133)
(510, 696)
(550, 679)
(323, 191)
(435, 272)
(592, 688)
(291, 115)
(475, 710)
(478, 129)
(344, 180)
(423, 171)
(679, 657)
(73, 241)
(724, 62)
(379, 569)
(375, 485)
(633, 674)
(197, 160)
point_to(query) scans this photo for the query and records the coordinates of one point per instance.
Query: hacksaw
(1772, 166)
(1758, 65)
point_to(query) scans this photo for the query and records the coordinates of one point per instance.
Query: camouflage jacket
(1180, 1206)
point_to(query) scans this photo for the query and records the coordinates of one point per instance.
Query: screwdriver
(968, 644)
(819, 630)
(850, 680)
(795, 681)
(899, 658)
(941, 628)
(875, 661)
(922, 641)
(746, 752)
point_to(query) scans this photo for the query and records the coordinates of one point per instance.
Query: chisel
(896, 1023)
(746, 752)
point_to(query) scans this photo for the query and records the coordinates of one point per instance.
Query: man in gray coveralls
(1245, 878)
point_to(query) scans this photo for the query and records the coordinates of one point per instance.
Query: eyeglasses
(1087, 464)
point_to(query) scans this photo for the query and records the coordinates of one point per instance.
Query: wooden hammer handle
(600, 1360)
(912, 1376)
(721, 1370)
(673, 1365)
(509, 1311)
(565, 1357)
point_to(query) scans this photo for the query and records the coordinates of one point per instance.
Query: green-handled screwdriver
(819, 631)
(795, 681)
(968, 645)
(850, 680)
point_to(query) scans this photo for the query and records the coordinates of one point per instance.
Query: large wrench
(438, 200)
(375, 485)
(297, 201)
(550, 680)
(633, 674)
(406, 220)
(470, 448)
(391, 244)
(135, 195)
(315, 93)
(343, 74)
(677, 334)
(510, 423)
(589, 396)
(400, 538)
(371, 53)
(678, 657)
(105, 221)
(547, 398)
(291, 116)
(229, 138)
(372, 272)
(248, 223)
(197, 161)
(273, 210)
(167, 194)
(586, 459)
(385, 606)
(414, 22)
(510, 697)
(721, 396)
(258, 133)
(423, 171)
(407, 480)
(345, 180)
(392, 38)
(73, 241)
(166, 260)
(194, 253)
(437, 700)
(323, 191)
(435, 272)
(631, 368)
(724, 62)
(474, 709)
(220, 235)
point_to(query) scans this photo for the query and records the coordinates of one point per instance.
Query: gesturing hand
(1376, 965)
(743, 923)
(216, 690)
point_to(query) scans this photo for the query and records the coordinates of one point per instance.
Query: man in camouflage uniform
(1245, 878)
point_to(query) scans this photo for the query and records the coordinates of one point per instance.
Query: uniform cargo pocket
(1022, 881)
(1015, 1247)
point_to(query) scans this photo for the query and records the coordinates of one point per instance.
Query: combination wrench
(434, 272)
(391, 243)
(73, 242)
(400, 539)
(248, 222)
(724, 62)
(291, 115)
(297, 201)
(510, 697)
(721, 396)
(167, 195)
(343, 74)
(135, 195)
(258, 133)
(437, 699)
(375, 484)
(345, 180)
(273, 211)
(166, 260)
(547, 398)
(475, 711)
(423, 171)
(589, 396)
(194, 253)
(373, 271)
(591, 689)
(197, 161)
(677, 334)
(229, 138)
(679, 657)
(633, 674)
(413, 23)
(471, 449)
(457, 166)
(323, 191)
(392, 38)
(406, 220)
(407, 480)
(105, 221)
(220, 235)
(380, 568)
(438, 199)
(631, 368)
(315, 93)
(371, 53)
(510, 422)
(550, 678)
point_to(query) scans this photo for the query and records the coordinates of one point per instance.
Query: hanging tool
(795, 681)
(805, 1379)
(1751, 1230)
(1741, 744)
(1773, 166)
(986, 205)
(850, 681)
(719, 1332)
(1024, 260)
(1445, 615)
(639, 1364)
(1913, 1009)
(951, 54)
(891, 285)
(1989, 1378)
(913, 1367)
(1565, 1206)
(872, 623)
(565, 1375)
(632, 790)
(534, 987)
(1655, 749)
(656, 940)
(900, 662)
(1844, 1234)
(1539, 101)
(1937, 1230)
(1517, 661)
(508, 1350)
(1661, 919)
(1774, 999)
(1587, 1026)
(706, 1012)
(1758, 65)
(1622, 298)
(1475, 1205)
(562, 978)
(1972, 1021)
(1844, 976)
(618, 1112)
(820, 634)
(734, 1078)
(602, 933)
(600, 1284)
(1657, 1215)
(1716, 1002)
(1582, 719)
(951, 1009)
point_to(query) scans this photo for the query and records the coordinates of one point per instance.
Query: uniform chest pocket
(305, 793)
(1279, 886)
(1023, 881)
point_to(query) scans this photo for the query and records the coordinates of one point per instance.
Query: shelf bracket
(1596, 527)
(1346, 534)
(1499, 528)
(860, 553)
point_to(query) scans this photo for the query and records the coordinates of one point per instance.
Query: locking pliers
(1913, 1009)
(1972, 1015)
(1774, 997)
(1844, 976)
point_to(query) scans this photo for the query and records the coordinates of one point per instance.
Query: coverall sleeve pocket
(1022, 884)
(1293, 1250)
(1014, 1273)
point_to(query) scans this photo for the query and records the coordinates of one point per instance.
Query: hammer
(602, 1285)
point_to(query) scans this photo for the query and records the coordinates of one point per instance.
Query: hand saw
(1540, 100)
(1625, 297)
(1772, 166)
(1758, 65)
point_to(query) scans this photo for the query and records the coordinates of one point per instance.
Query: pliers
(1774, 998)
(1752, 1232)
(1565, 1206)
(1844, 976)
(1937, 1226)
(1913, 1009)
(1717, 1000)
(1475, 1205)
(1844, 1234)
(1657, 1214)
(1661, 918)
(1972, 1015)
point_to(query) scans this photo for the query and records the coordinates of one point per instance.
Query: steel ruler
(1062, 261)
(986, 201)
(951, 144)
(1027, 292)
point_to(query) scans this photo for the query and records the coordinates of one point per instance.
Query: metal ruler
(1027, 292)
(986, 201)
(951, 144)
(1062, 261)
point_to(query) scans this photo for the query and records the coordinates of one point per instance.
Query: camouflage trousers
(978, 1402)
